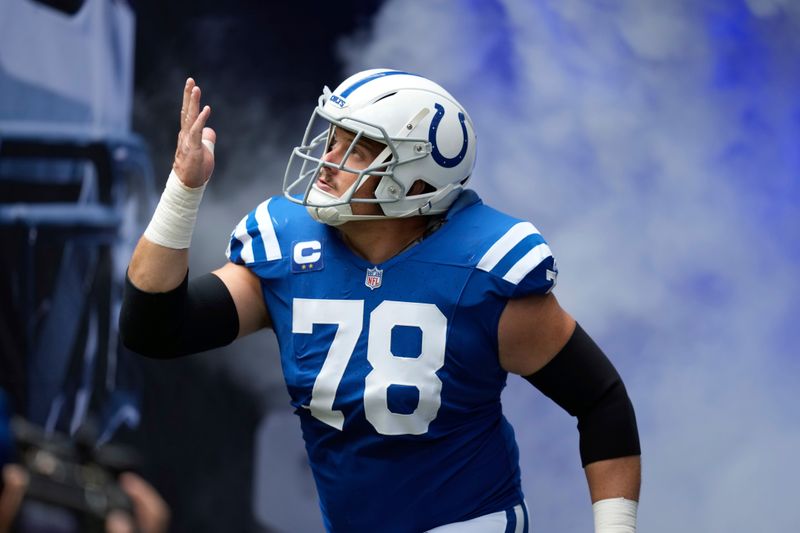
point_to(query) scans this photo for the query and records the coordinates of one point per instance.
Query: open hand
(194, 158)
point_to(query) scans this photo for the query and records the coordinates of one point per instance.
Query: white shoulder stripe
(271, 246)
(247, 241)
(504, 244)
(266, 236)
(528, 262)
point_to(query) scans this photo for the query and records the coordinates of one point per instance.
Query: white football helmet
(427, 133)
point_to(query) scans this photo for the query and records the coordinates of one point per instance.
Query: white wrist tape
(615, 515)
(173, 221)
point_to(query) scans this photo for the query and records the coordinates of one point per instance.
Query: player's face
(336, 182)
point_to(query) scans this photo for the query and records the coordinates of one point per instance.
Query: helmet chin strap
(336, 215)
(331, 215)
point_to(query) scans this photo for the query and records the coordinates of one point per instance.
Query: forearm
(164, 315)
(155, 268)
(614, 478)
(614, 489)
(161, 257)
(582, 380)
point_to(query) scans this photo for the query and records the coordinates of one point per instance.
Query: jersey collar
(466, 199)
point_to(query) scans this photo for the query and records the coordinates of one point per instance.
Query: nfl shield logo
(374, 278)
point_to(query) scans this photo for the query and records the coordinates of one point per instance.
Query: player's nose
(334, 155)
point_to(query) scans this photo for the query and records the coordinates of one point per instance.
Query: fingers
(209, 139)
(187, 94)
(190, 107)
(210, 135)
(193, 119)
(15, 481)
(193, 108)
(196, 130)
(152, 512)
(194, 152)
(119, 522)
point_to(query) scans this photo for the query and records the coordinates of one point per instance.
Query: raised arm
(161, 258)
(541, 342)
(164, 314)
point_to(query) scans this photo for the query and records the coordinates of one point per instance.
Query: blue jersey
(393, 368)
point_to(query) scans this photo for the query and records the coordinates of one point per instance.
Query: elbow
(149, 323)
(142, 340)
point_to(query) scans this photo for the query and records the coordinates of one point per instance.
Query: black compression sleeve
(582, 380)
(194, 317)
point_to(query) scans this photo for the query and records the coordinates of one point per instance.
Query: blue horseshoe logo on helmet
(447, 162)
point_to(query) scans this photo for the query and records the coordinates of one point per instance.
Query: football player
(400, 303)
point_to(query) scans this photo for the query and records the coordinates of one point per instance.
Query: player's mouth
(325, 186)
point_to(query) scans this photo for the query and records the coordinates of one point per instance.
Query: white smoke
(653, 143)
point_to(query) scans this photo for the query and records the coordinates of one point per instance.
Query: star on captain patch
(374, 278)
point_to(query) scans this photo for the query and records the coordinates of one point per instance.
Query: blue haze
(655, 145)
